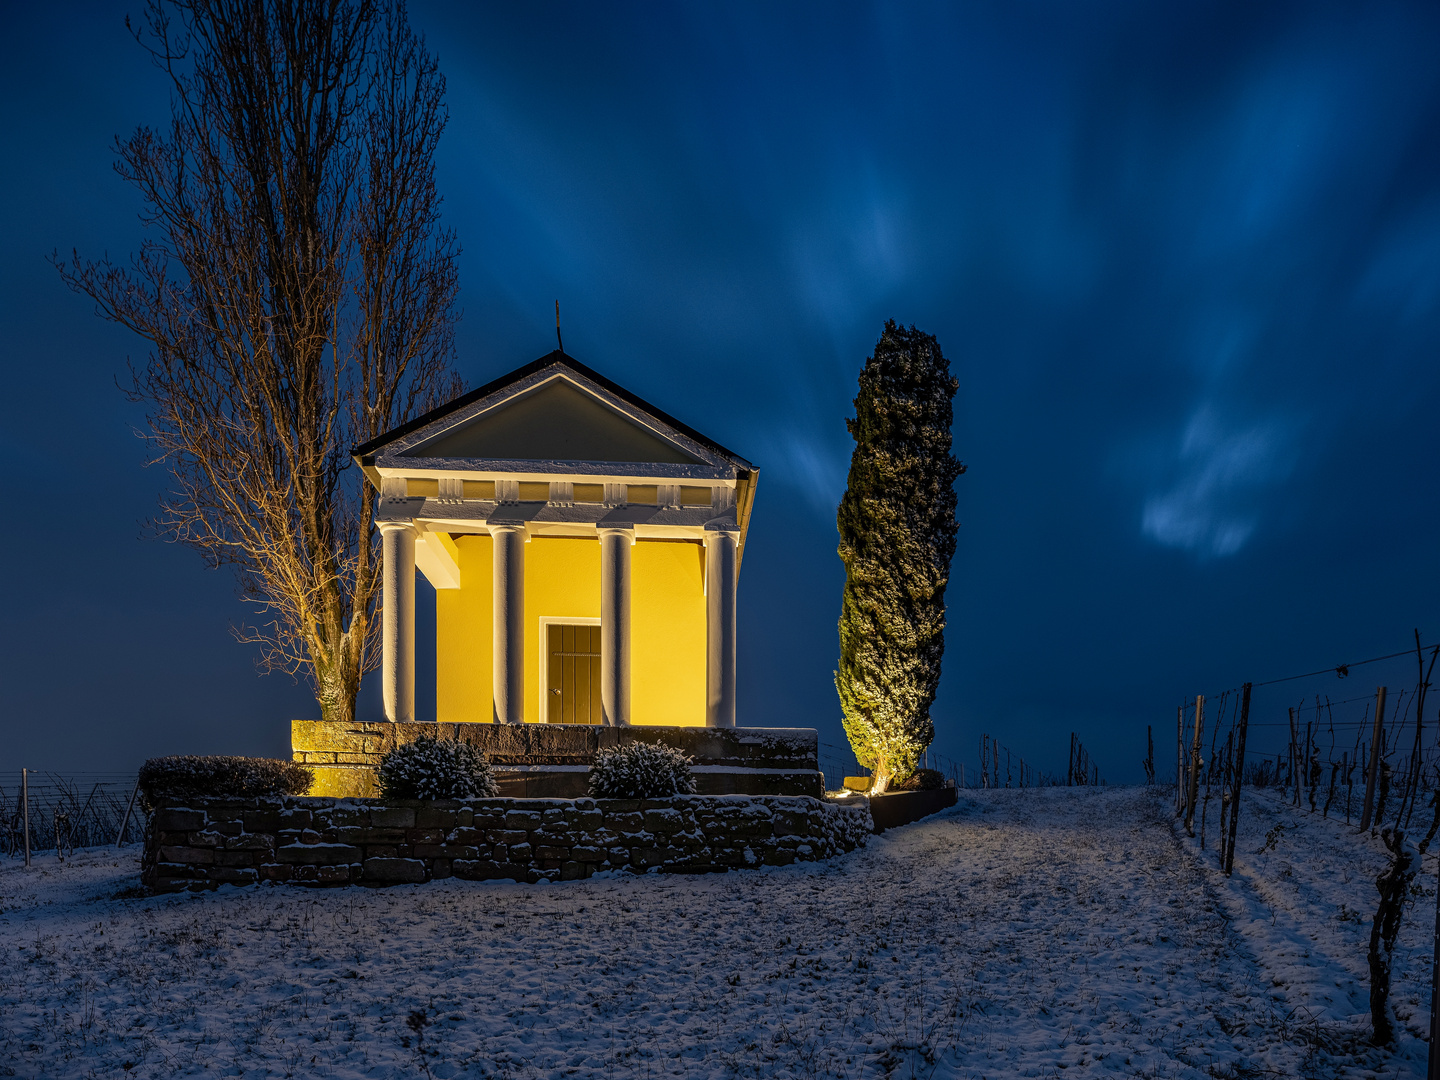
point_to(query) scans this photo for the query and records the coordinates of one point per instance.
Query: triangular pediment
(553, 415)
(557, 420)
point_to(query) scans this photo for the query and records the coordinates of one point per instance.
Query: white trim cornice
(634, 472)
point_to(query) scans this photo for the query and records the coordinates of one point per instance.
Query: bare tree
(296, 293)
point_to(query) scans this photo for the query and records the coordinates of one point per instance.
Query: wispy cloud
(1210, 507)
(850, 249)
(813, 471)
(1404, 278)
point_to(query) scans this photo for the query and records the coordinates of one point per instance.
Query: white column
(615, 624)
(397, 620)
(508, 564)
(720, 628)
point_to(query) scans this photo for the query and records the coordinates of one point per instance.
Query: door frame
(545, 622)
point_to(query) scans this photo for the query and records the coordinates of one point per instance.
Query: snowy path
(1038, 933)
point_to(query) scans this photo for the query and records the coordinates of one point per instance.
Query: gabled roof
(554, 408)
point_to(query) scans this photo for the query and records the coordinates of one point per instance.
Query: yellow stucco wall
(562, 580)
(667, 633)
(463, 632)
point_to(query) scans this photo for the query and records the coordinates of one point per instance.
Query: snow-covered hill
(1048, 932)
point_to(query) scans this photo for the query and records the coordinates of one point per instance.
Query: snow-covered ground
(1040, 933)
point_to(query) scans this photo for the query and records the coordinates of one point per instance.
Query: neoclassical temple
(584, 547)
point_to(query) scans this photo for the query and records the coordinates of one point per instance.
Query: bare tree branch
(297, 293)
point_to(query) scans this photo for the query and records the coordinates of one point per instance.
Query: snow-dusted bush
(431, 768)
(641, 771)
(186, 776)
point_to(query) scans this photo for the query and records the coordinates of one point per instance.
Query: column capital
(390, 525)
(615, 528)
(506, 527)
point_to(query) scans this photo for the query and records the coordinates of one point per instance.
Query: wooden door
(572, 674)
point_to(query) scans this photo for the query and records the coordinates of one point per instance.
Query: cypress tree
(897, 536)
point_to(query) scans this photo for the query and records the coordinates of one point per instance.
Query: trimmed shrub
(641, 771)
(921, 780)
(187, 776)
(431, 768)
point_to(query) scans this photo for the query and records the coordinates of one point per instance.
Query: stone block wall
(328, 841)
(553, 760)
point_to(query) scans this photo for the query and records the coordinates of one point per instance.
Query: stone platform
(205, 843)
(552, 761)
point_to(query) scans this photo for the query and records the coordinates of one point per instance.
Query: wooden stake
(1309, 766)
(1227, 795)
(1295, 753)
(126, 820)
(1345, 769)
(25, 799)
(1369, 806)
(1433, 1070)
(1413, 778)
(1179, 760)
(1192, 789)
(88, 801)
(1239, 773)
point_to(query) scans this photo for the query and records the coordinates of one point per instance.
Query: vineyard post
(1295, 759)
(1368, 808)
(1414, 771)
(88, 801)
(25, 800)
(1193, 788)
(1309, 756)
(1227, 795)
(1432, 1072)
(1179, 759)
(120, 837)
(1239, 777)
(1346, 768)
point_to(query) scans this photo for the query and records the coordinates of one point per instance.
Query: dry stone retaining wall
(327, 841)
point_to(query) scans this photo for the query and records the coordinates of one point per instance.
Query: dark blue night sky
(1183, 258)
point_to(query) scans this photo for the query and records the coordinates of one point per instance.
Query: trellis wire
(67, 811)
(1322, 764)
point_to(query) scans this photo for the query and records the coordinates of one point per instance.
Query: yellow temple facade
(585, 550)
